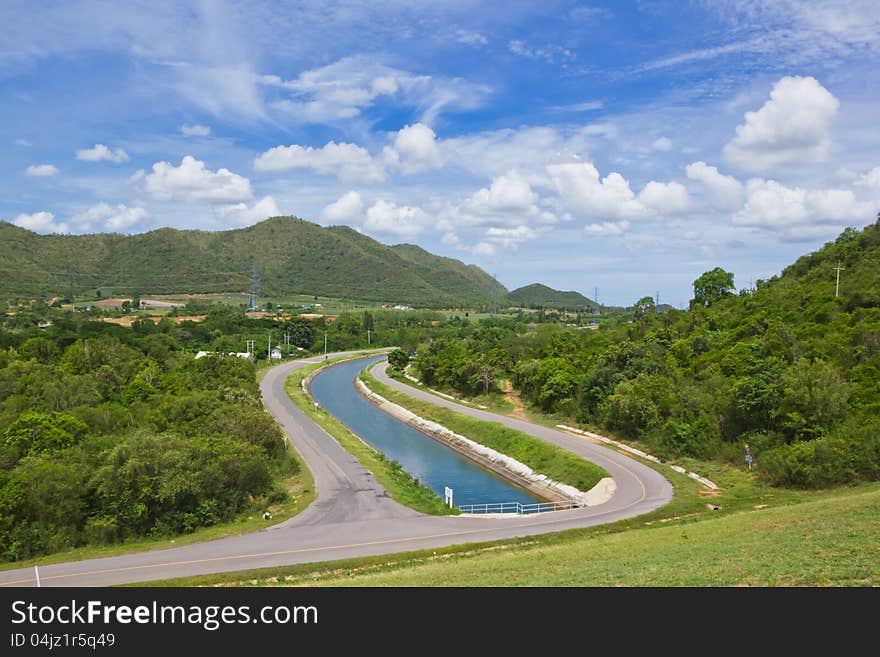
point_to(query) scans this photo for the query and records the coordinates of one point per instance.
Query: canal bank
(505, 466)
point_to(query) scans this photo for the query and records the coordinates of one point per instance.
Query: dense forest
(290, 255)
(788, 368)
(109, 433)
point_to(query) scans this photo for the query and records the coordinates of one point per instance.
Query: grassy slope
(400, 485)
(546, 459)
(831, 541)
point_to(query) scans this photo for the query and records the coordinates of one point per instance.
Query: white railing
(517, 508)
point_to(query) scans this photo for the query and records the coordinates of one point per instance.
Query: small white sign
(447, 495)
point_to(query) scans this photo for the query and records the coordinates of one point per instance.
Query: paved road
(353, 516)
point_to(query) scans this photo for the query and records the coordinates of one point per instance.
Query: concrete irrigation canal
(432, 463)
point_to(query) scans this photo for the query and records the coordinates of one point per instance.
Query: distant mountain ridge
(291, 255)
(537, 295)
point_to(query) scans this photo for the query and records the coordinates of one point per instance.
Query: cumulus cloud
(415, 149)
(243, 214)
(192, 182)
(108, 217)
(101, 152)
(41, 170)
(508, 193)
(347, 208)
(388, 218)
(725, 192)
(348, 162)
(195, 130)
(41, 222)
(791, 128)
(582, 191)
(665, 198)
(774, 206)
(509, 238)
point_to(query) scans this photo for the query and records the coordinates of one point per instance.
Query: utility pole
(596, 299)
(838, 269)
(368, 336)
(287, 341)
(657, 302)
(249, 346)
(269, 355)
(325, 344)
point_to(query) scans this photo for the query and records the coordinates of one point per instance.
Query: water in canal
(430, 462)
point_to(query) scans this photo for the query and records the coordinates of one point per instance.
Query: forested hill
(292, 256)
(790, 368)
(541, 296)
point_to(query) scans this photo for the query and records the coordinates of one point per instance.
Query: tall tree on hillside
(644, 308)
(712, 286)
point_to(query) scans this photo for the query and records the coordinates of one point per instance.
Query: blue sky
(627, 147)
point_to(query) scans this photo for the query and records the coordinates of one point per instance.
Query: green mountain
(541, 296)
(292, 256)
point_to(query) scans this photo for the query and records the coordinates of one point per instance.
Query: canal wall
(501, 464)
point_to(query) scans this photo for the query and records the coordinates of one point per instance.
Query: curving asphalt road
(353, 516)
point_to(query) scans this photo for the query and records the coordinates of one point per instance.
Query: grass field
(826, 538)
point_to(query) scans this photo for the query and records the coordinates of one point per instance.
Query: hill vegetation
(787, 368)
(291, 255)
(540, 296)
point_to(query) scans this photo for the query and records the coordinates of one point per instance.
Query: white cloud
(482, 249)
(662, 144)
(774, 206)
(40, 222)
(726, 192)
(195, 130)
(607, 228)
(665, 198)
(344, 89)
(508, 193)
(415, 148)
(550, 53)
(101, 152)
(348, 162)
(870, 179)
(509, 238)
(108, 217)
(192, 182)
(387, 218)
(584, 194)
(347, 208)
(23, 142)
(245, 215)
(471, 38)
(792, 127)
(41, 170)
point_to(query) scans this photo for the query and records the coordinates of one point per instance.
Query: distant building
(402, 307)
(237, 354)
(276, 353)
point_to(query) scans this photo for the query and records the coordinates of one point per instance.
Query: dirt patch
(512, 397)
(709, 493)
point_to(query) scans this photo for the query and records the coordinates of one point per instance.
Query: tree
(712, 286)
(398, 359)
(644, 308)
(368, 321)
